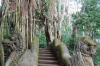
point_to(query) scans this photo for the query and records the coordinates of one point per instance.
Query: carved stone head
(86, 46)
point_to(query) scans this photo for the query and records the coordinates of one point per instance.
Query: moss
(56, 41)
(54, 44)
(64, 53)
(35, 47)
(61, 51)
(35, 41)
(62, 48)
(87, 40)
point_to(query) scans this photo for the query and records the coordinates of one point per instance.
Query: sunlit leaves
(91, 13)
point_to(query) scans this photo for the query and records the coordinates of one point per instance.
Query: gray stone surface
(28, 59)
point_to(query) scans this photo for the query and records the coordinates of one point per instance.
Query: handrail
(35, 48)
(61, 51)
(63, 55)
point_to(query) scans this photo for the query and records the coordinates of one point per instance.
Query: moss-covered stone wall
(61, 52)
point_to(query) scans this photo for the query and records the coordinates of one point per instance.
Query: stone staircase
(47, 58)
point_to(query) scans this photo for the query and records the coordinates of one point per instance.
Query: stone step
(45, 51)
(46, 55)
(47, 58)
(47, 62)
(48, 65)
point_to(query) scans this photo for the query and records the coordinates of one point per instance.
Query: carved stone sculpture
(86, 48)
(15, 41)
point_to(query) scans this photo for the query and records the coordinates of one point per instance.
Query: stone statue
(86, 48)
(15, 44)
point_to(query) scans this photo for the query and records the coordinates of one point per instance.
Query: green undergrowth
(97, 56)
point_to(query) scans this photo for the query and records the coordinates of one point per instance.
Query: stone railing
(61, 52)
(35, 48)
(30, 58)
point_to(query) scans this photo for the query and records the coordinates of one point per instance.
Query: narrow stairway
(47, 58)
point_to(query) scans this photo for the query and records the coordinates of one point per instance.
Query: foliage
(42, 40)
(90, 14)
(67, 39)
(97, 56)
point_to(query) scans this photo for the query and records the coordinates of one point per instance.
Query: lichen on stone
(87, 40)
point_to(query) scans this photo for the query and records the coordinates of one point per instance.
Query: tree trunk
(74, 31)
(83, 31)
(1, 51)
(91, 31)
(32, 7)
(30, 22)
(74, 37)
(47, 33)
